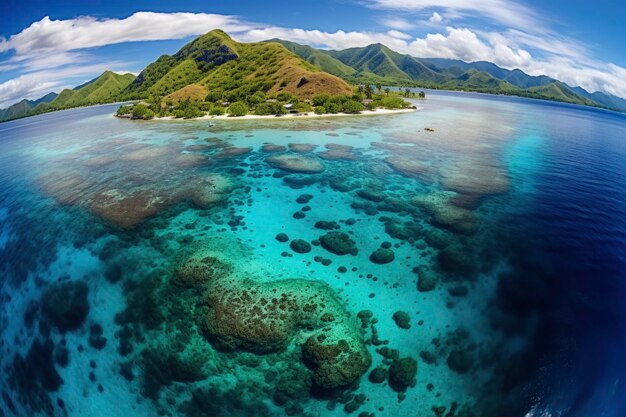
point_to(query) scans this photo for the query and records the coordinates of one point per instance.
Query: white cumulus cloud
(435, 18)
(88, 32)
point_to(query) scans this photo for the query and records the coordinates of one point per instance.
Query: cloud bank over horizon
(44, 56)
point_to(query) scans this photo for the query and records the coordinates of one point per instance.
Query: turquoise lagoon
(328, 266)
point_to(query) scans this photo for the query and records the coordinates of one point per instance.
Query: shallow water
(507, 227)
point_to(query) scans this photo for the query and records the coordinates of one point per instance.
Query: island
(214, 76)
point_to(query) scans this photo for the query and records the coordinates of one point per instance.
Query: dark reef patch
(65, 306)
(339, 243)
(34, 376)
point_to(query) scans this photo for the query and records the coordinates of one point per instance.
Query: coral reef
(338, 243)
(446, 214)
(476, 178)
(382, 256)
(127, 210)
(269, 316)
(408, 166)
(402, 374)
(300, 246)
(402, 319)
(65, 306)
(301, 147)
(296, 163)
(336, 152)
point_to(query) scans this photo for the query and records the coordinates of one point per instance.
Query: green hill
(24, 107)
(318, 58)
(216, 62)
(104, 89)
(560, 92)
(607, 100)
(379, 60)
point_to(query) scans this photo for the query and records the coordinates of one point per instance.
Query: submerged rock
(127, 210)
(300, 246)
(33, 376)
(426, 279)
(382, 256)
(304, 198)
(187, 160)
(200, 269)
(339, 243)
(402, 374)
(408, 167)
(378, 375)
(448, 215)
(336, 152)
(372, 194)
(266, 317)
(402, 319)
(301, 147)
(337, 356)
(232, 151)
(296, 163)
(326, 225)
(207, 190)
(65, 187)
(409, 231)
(477, 178)
(162, 366)
(96, 339)
(282, 237)
(65, 305)
(459, 261)
(147, 153)
(460, 360)
(270, 147)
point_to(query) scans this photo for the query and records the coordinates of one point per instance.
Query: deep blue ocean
(331, 266)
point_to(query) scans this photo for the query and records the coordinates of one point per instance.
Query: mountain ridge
(102, 89)
(378, 64)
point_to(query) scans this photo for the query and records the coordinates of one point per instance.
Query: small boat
(211, 124)
(429, 129)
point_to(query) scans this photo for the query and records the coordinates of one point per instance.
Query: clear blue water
(507, 226)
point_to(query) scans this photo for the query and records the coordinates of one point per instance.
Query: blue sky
(46, 46)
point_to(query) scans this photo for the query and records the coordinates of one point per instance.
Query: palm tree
(368, 91)
(387, 90)
(379, 88)
(360, 89)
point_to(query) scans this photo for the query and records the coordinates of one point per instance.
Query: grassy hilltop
(218, 64)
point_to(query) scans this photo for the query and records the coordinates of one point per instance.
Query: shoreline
(311, 115)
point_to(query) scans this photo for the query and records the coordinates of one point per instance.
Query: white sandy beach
(377, 112)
